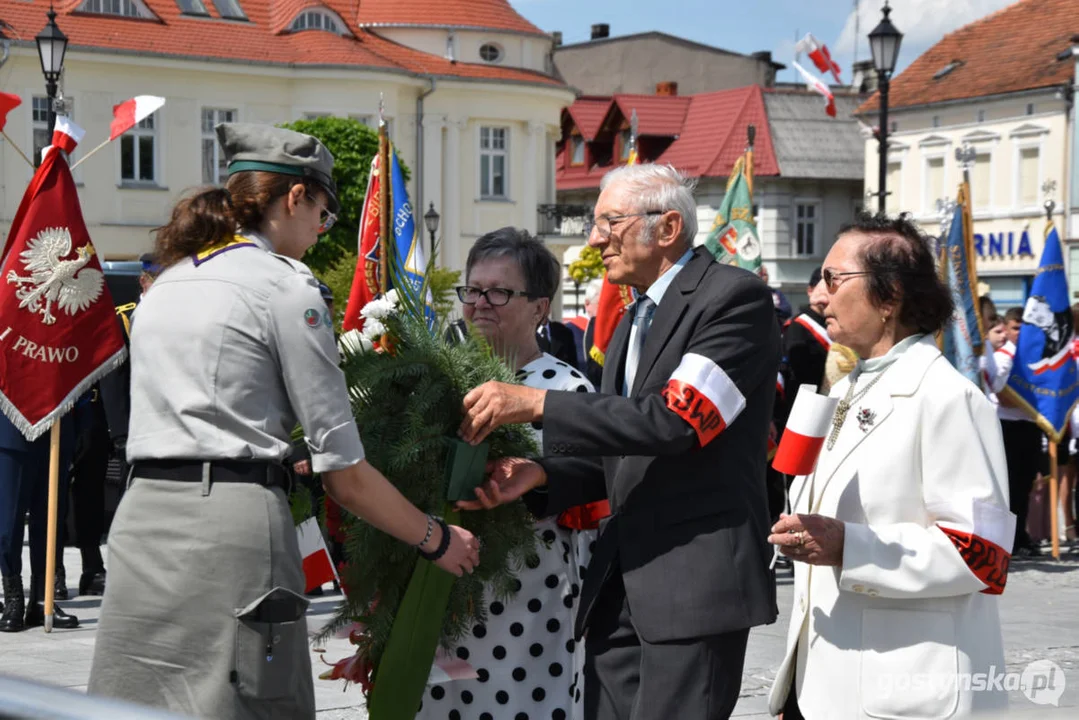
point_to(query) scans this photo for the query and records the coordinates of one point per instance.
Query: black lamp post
(430, 219)
(51, 46)
(884, 42)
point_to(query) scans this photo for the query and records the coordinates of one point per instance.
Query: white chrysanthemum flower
(353, 342)
(378, 309)
(393, 298)
(373, 329)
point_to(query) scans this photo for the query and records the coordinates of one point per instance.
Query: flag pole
(50, 546)
(87, 155)
(17, 148)
(383, 203)
(751, 137)
(1054, 471)
(1054, 468)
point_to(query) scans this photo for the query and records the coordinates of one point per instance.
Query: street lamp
(51, 46)
(430, 219)
(884, 42)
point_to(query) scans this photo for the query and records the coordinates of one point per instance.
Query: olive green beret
(249, 146)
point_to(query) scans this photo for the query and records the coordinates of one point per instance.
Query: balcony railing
(562, 220)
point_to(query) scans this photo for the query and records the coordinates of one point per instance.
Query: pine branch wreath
(407, 403)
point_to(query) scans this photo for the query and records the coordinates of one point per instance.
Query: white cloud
(922, 22)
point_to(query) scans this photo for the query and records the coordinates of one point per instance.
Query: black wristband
(443, 545)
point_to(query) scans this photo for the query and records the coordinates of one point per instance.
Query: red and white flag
(819, 54)
(813, 83)
(803, 438)
(8, 102)
(131, 112)
(58, 331)
(317, 565)
(366, 281)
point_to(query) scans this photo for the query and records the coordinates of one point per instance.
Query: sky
(747, 26)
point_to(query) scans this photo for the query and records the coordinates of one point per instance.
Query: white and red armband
(984, 543)
(702, 394)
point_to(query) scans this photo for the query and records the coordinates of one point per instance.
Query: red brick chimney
(669, 88)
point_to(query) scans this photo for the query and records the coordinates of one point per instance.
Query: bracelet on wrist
(443, 545)
(430, 531)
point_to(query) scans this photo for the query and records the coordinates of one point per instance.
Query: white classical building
(472, 103)
(1009, 103)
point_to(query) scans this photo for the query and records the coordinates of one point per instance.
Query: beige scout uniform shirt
(227, 354)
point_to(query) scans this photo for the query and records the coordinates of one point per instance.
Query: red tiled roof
(710, 138)
(656, 114)
(1007, 51)
(177, 35)
(588, 113)
(487, 14)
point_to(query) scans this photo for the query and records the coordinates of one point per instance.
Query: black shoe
(12, 619)
(35, 610)
(92, 583)
(60, 586)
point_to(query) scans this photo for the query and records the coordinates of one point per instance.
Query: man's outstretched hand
(508, 479)
(494, 404)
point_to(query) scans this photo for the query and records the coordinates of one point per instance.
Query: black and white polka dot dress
(528, 665)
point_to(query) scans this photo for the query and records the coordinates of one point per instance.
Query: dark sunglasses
(326, 219)
(831, 278)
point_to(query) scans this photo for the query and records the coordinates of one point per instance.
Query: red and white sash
(815, 329)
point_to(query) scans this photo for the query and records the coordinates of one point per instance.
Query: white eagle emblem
(66, 283)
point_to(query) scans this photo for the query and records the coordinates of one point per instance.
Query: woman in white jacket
(902, 534)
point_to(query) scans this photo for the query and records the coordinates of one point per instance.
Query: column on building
(533, 164)
(432, 174)
(452, 255)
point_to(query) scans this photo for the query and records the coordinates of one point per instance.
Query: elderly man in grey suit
(677, 442)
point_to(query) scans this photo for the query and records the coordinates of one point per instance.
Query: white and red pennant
(807, 426)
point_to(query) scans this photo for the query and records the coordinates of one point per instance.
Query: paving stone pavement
(1039, 612)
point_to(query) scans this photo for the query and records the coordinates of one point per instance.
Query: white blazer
(904, 626)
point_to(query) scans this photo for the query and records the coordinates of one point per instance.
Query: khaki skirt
(204, 610)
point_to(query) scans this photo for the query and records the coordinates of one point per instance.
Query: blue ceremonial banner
(962, 338)
(1044, 380)
(408, 258)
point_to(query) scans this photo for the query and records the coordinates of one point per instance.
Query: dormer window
(576, 144)
(230, 9)
(123, 8)
(192, 7)
(317, 19)
(489, 52)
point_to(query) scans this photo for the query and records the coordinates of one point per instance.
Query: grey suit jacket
(681, 460)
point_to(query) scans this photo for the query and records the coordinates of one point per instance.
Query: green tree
(587, 266)
(353, 146)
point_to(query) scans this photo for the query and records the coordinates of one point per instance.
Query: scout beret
(250, 146)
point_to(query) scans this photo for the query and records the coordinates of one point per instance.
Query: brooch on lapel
(866, 418)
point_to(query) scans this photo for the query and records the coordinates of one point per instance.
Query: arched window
(123, 8)
(489, 52)
(316, 20)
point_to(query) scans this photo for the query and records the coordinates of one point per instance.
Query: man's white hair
(658, 187)
(592, 291)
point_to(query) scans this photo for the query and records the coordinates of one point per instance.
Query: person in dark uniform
(806, 342)
(24, 485)
(556, 339)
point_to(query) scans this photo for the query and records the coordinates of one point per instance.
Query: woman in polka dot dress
(526, 663)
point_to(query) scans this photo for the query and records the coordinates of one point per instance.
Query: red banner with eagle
(58, 331)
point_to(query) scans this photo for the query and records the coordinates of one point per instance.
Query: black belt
(258, 472)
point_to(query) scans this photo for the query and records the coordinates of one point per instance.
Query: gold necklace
(845, 404)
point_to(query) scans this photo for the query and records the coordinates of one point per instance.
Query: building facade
(1009, 104)
(634, 64)
(807, 167)
(468, 91)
